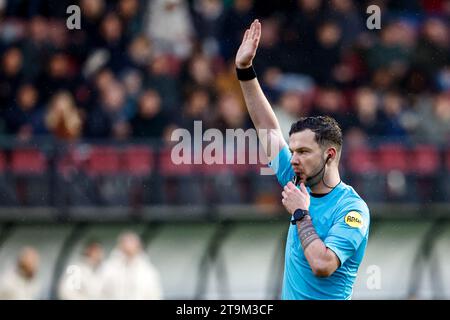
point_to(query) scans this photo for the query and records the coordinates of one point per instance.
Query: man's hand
(247, 50)
(295, 198)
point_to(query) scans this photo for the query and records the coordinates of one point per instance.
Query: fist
(295, 198)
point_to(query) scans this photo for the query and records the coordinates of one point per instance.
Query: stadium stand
(86, 118)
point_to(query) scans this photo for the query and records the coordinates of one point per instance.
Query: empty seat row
(420, 160)
(143, 160)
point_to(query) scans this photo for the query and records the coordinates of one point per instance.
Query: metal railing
(110, 179)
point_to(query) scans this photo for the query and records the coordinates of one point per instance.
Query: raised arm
(258, 107)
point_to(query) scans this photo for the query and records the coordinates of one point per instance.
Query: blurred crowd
(139, 69)
(127, 273)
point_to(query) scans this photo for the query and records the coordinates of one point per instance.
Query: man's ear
(332, 153)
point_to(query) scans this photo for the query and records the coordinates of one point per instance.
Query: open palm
(247, 50)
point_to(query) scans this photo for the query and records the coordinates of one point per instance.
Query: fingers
(291, 186)
(289, 189)
(246, 34)
(303, 188)
(255, 30)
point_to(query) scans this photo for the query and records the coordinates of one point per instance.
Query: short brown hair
(326, 129)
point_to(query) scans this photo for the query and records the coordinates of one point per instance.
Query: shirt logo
(354, 219)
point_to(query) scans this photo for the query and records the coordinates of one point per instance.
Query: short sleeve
(281, 165)
(348, 232)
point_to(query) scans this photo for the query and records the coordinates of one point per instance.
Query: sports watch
(298, 215)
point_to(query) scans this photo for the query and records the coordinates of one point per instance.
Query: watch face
(299, 213)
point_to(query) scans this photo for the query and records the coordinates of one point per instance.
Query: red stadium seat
(425, 160)
(261, 164)
(65, 164)
(361, 160)
(209, 165)
(28, 161)
(138, 161)
(2, 162)
(72, 160)
(168, 168)
(447, 159)
(392, 157)
(103, 161)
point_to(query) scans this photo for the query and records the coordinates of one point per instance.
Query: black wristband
(246, 74)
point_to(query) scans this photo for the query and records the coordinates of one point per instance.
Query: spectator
(300, 34)
(92, 11)
(108, 118)
(57, 76)
(389, 51)
(170, 27)
(10, 75)
(230, 114)
(206, 20)
(326, 51)
(131, 13)
(21, 282)
(140, 52)
(226, 81)
(269, 50)
(133, 83)
(306, 19)
(128, 272)
(36, 47)
(150, 120)
(435, 119)
(329, 101)
(233, 24)
(199, 72)
(113, 39)
(433, 49)
(84, 281)
(368, 118)
(26, 118)
(393, 110)
(288, 110)
(345, 13)
(197, 108)
(160, 76)
(63, 119)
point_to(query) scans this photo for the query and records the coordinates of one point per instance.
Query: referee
(329, 226)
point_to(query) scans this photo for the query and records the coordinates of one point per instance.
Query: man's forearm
(322, 262)
(258, 107)
(306, 232)
(263, 118)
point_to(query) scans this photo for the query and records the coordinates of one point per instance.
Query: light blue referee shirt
(341, 219)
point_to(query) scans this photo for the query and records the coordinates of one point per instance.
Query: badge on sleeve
(354, 219)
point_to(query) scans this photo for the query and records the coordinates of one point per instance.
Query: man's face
(307, 155)
(94, 254)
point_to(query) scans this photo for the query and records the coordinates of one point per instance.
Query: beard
(313, 180)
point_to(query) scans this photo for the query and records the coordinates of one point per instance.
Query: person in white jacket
(82, 280)
(20, 281)
(128, 273)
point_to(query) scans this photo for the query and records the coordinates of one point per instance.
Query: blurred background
(91, 206)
